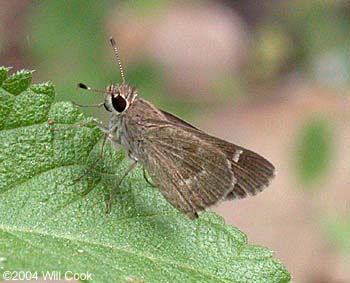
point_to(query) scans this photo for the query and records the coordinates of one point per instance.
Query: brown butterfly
(192, 169)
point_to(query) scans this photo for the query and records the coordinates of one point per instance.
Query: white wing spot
(236, 155)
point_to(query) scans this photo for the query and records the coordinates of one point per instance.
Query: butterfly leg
(91, 105)
(52, 122)
(114, 191)
(146, 178)
(82, 124)
(93, 165)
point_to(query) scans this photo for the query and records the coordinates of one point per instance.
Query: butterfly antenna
(114, 45)
(84, 86)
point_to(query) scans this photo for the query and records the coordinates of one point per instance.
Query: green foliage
(3, 74)
(18, 82)
(314, 151)
(49, 222)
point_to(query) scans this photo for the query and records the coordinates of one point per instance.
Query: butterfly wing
(190, 172)
(252, 172)
(176, 120)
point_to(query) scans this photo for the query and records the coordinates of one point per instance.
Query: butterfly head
(118, 98)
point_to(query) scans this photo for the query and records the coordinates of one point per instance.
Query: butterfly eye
(109, 110)
(119, 103)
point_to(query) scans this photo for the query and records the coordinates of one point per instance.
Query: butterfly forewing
(191, 173)
(170, 139)
(176, 120)
(252, 171)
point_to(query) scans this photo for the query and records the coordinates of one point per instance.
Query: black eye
(119, 103)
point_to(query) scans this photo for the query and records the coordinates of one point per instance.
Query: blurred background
(272, 76)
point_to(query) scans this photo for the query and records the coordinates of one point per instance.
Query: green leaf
(3, 74)
(48, 222)
(18, 82)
